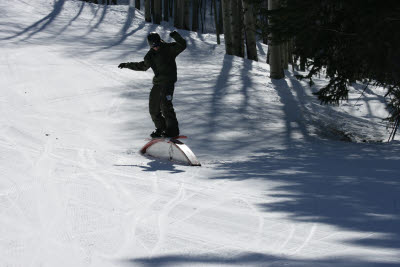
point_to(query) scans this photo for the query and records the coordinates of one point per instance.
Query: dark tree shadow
(40, 25)
(101, 19)
(349, 187)
(220, 90)
(156, 165)
(73, 19)
(248, 259)
(294, 118)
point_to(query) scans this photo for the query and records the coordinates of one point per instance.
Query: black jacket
(162, 61)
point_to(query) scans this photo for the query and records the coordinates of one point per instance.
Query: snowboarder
(161, 58)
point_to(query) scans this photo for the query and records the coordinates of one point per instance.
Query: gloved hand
(122, 65)
(173, 33)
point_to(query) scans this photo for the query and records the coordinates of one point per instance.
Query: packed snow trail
(274, 188)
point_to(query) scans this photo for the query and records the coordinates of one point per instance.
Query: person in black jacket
(161, 59)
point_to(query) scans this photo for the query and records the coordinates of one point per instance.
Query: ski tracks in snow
(164, 213)
(67, 202)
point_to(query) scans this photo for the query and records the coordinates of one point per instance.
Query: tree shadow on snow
(156, 165)
(349, 187)
(342, 184)
(82, 6)
(292, 109)
(87, 45)
(41, 24)
(221, 101)
(249, 259)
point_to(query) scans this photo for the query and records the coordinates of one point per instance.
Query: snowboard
(167, 138)
(170, 148)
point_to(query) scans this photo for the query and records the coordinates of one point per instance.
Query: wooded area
(346, 40)
(237, 19)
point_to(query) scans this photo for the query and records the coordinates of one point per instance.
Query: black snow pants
(161, 109)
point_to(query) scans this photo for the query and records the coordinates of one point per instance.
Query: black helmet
(154, 39)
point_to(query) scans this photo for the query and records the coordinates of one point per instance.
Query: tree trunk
(237, 28)
(186, 15)
(195, 15)
(171, 7)
(166, 9)
(203, 15)
(147, 10)
(216, 21)
(220, 18)
(264, 23)
(290, 52)
(275, 60)
(303, 62)
(157, 11)
(152, 8)
(250, 30)
(285, 44)
(226, 11)
(241, 28)
(285, 52)
(137, 4)
(178, 14)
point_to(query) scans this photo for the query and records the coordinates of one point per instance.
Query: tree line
(236, 19)
(345, 40)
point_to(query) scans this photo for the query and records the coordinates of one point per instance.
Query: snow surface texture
(277, 186)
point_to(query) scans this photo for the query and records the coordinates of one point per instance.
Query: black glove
(172, 34)
(122, 65)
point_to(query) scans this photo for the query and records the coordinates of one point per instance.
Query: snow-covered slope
(277, 187)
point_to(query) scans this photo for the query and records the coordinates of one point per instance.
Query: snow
(277, 186)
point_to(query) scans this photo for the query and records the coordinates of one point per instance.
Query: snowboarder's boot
(170, 134)
(157, 133)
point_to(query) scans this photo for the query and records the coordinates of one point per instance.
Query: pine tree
(349, 40)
